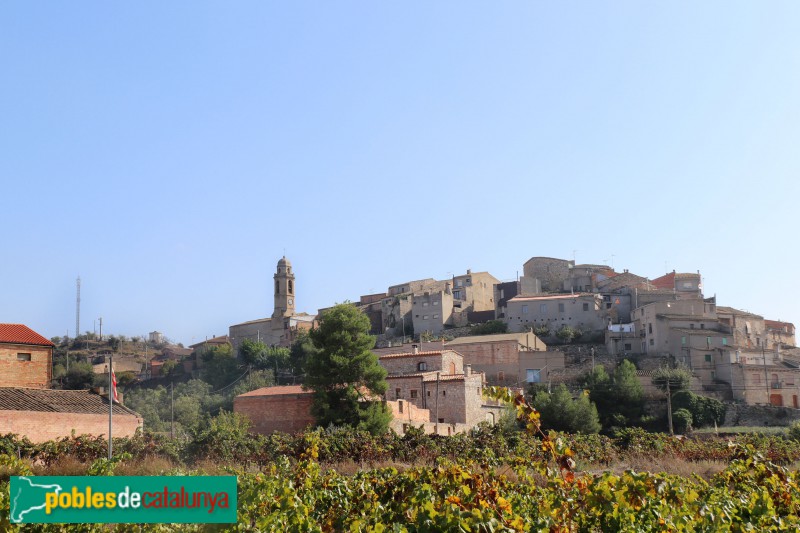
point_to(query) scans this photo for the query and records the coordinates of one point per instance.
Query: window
(424, 304)
(444, 393)
(724, 341)
(424, 317)
(683, 341)
(652, 342)
(290, 286)
(436, 303)
(533, 375)
(469, 280)
(628, 346)
(23, 357)
(413, 394)
(608, 305)
(435, 316)
(585, 307)
(429, 394)
(650, 327)
(542, 308)
(277, 287)
(501, 376)
(422, 366)
(708, 358)
(457, 295)
(524, 309)
(691, 326)
(702, 326)
(560, 308)
(400, 406)
(397, 393)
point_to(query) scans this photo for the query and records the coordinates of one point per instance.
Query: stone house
(474, 291)
(437, 382)
(503, 292)
(582, 311)
(748, 329)
(509, 359)
(780, 333)
(26, 358)
(432, 311)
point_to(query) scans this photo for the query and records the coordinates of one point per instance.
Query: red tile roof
(667, 281)
(412, 354)
(21, 334)
(277, 391)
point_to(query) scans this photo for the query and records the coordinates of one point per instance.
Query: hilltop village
(442, 342)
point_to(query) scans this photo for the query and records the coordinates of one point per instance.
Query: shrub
(682, 420)
(489, 328)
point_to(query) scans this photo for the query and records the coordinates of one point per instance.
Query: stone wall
(759, 415)
(35, 373)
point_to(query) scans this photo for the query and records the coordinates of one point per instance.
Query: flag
(114, 387)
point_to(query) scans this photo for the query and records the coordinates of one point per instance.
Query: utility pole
(436, 412)
(669, 407)
(101, 328)
(172, 410)
(766, 377)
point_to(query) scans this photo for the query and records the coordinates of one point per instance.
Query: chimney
(469, 271)
(415, 348)
(468, 370)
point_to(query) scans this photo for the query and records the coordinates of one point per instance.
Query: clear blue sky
(169, 152)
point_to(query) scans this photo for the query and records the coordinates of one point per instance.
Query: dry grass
(675, 466)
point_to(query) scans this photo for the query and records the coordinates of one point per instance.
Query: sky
(169, 153)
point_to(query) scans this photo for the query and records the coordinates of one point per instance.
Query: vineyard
(490, 480)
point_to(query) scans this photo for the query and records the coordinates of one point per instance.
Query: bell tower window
(277, 287)
(290, 286)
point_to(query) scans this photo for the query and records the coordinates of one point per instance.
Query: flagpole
(110, 404)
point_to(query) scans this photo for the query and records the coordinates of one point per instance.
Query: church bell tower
(284, 290)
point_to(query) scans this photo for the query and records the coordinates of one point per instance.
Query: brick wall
(35, 373)
(42, 426)
(289, 413)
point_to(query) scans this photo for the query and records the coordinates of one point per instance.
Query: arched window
(290, 286)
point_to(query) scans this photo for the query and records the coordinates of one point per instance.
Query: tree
(80, 376)
(302, 348)
(489, 328)
(619, 397)
(559, 411)
(260, 356)
(344, 374)
(221, 368)
(567, 334)
(678, 378)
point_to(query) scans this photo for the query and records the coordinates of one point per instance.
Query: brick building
(286, 409)
(42, 415)
(26, 358)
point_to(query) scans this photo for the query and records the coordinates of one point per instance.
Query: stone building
(510, 359)
(581, 311)
(26, 358)
(283, 326)
(544, 274)
(437, 382)
(503, 292)
(780, 333)
(432, 311)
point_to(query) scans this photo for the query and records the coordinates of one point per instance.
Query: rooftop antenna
(78, 309)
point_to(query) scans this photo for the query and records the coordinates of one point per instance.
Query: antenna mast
(78, 309)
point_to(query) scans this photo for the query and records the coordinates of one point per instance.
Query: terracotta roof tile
(21, 334)
(57, 401)
(277, 391)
